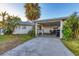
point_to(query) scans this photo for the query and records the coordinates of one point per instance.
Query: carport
(50, 27)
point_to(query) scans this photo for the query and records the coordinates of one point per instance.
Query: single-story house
(52, 26)
(21, 28)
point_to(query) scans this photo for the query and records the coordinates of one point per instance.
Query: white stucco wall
(47, 30)
(22, 29)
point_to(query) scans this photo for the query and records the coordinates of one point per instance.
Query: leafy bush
(32, 33)
(7, 31)
(71, 27)
(67, 32)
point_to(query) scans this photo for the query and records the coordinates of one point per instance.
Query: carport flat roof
(51, 20)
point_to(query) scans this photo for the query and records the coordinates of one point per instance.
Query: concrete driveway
(40, 46)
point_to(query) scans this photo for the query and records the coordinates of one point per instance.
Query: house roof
(29, 23)
(53, 19)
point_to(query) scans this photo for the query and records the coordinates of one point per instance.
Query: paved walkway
(40, 46)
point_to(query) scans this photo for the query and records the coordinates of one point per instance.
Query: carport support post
(61, 28)
(36, 29)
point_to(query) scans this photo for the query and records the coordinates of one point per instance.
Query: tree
(32, 11)
(3, 15)
(1, 24)
(11, 23)
(71, 26)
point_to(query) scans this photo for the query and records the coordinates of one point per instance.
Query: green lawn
(22, 38)
(8, 42)
(73, 45)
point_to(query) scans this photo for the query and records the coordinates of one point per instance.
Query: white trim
(61, 28)
(42, 30)
(35, 29)
(48, 21)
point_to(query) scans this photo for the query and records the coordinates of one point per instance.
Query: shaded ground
(40, 46)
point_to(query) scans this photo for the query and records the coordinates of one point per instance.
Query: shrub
(32, 33)
(7, 31)
(67, 32)
(71, 27)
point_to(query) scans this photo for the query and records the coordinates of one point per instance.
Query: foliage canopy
(32, 11)
(71, 27)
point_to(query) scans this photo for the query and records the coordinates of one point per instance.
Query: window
(24, 27)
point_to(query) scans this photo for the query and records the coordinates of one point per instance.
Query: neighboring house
(21, 28)
(52, 26)
(1, 31)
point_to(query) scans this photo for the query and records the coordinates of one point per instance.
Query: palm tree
(3, 15)
(32, 11)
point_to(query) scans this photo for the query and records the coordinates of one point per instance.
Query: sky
(48, 10)
(55, 10)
